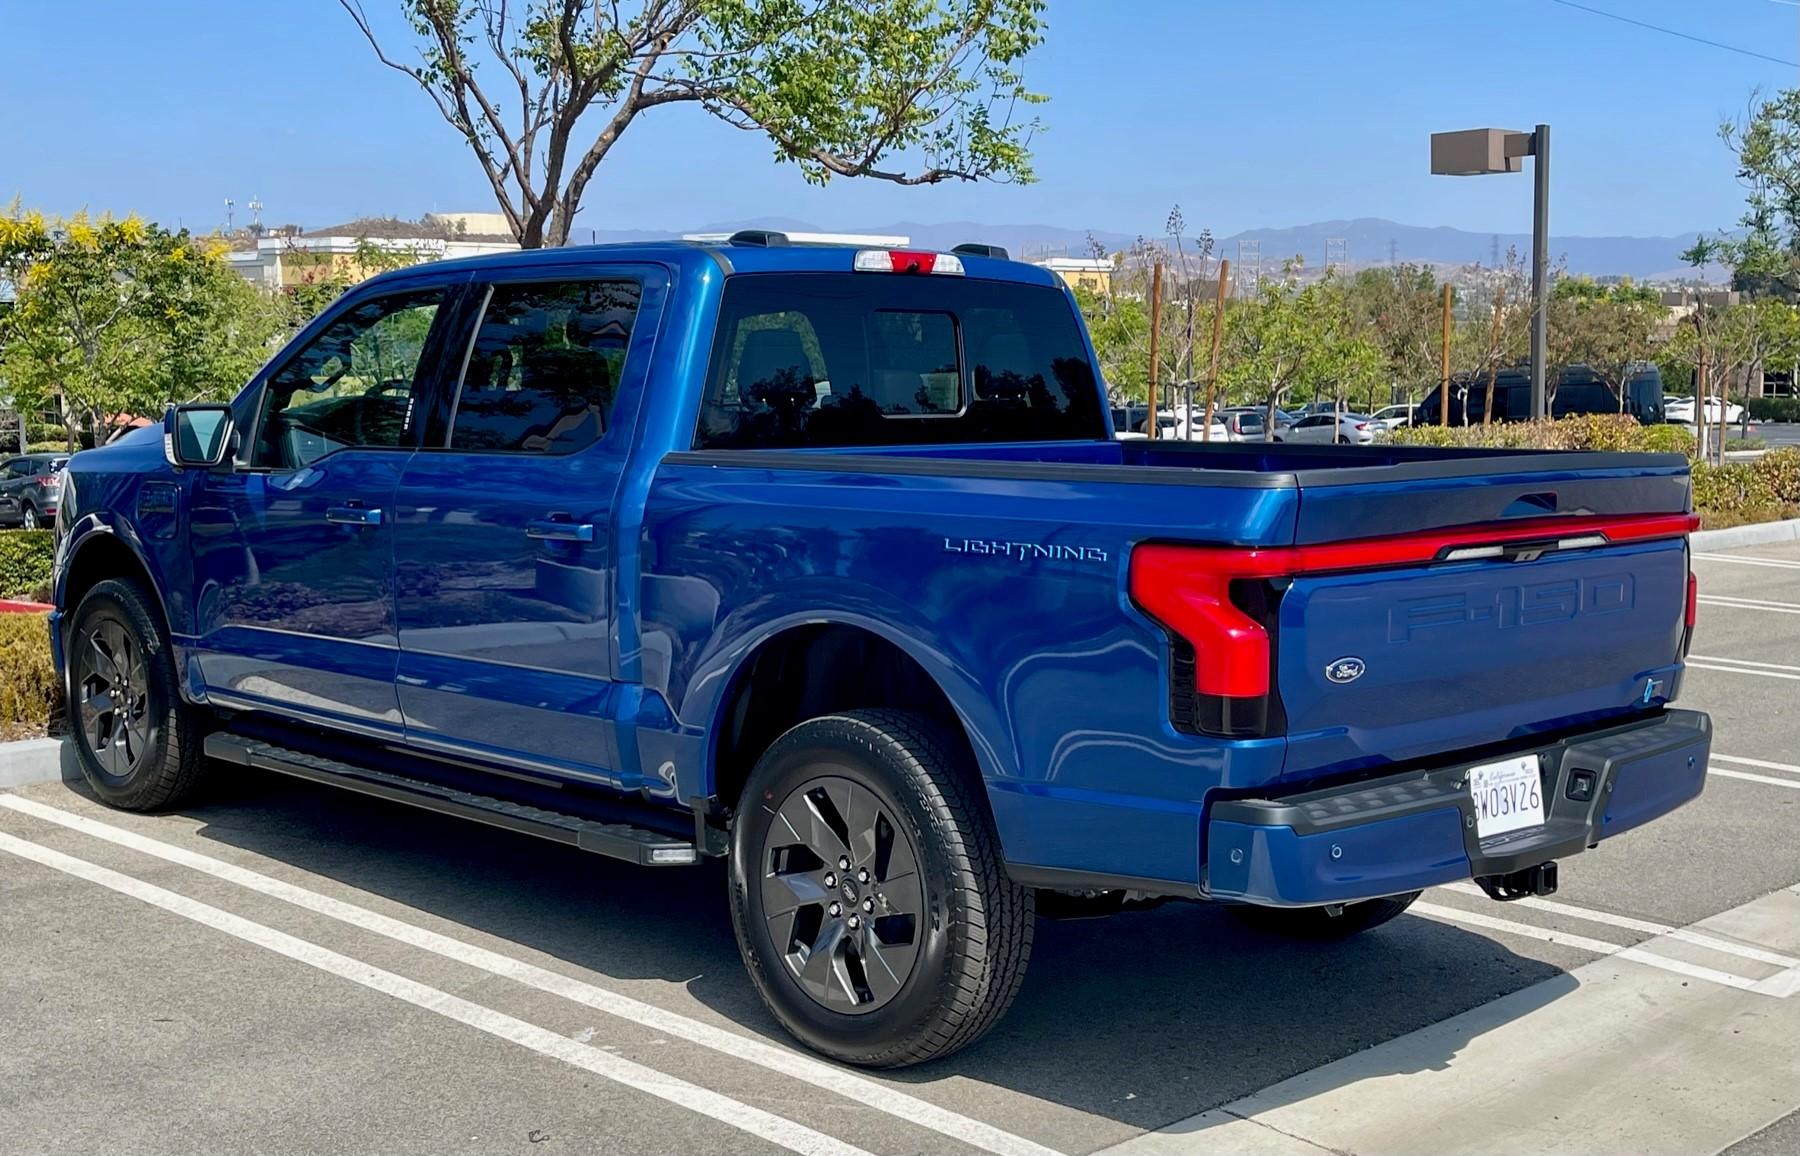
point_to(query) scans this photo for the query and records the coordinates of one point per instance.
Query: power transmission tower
(1393, 251)
(1494, 252)
(1249, 267)
(1337, 254)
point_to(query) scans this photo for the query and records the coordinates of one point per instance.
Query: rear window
(839, 359)
(1583, 397)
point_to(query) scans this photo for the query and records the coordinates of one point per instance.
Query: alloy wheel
(842, 895)
(113, 697)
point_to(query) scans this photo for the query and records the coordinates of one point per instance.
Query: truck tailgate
(1394, 664)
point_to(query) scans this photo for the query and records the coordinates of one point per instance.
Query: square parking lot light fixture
(1476, 152)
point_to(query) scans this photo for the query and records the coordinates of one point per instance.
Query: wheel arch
(96, 551)
(801, 670)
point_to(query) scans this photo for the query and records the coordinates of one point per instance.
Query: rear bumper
(1417, 829)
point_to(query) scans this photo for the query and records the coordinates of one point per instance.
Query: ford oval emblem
(1345, 669)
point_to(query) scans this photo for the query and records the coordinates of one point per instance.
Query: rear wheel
(135, 739)
(868, 894)
(30, 518)
(1335, 921)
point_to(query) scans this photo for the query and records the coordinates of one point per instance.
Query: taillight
(44, 479)
(907, 261)
(1362, 425)
(1222, 654)
(1692, 614)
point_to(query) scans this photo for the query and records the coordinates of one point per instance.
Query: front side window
(545, 366)
(851, 359)
(352, 386)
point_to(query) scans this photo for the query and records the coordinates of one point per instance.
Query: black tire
(28, 518)
(137, 742)
(971, 937)
(1320, 923)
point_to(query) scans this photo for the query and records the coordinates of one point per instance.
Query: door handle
(353, 516)
(559, 530)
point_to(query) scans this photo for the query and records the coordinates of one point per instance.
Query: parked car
(1345, 428)
(1682, 410)
(820, 561)
(28, 485)
(1394, 416)
(1243, 424)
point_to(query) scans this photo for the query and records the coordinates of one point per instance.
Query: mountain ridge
(1370, 241)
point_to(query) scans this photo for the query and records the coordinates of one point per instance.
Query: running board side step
(614, 840)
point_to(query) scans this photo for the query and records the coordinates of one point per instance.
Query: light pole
(1479, 151)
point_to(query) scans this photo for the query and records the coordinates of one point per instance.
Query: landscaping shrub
(58, 446)
(28, 690)
(1780, 470)
(1593, 431)
(1774, 408)
(25, 558)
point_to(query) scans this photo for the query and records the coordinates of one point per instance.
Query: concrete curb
(1759, 534)
(35, 761)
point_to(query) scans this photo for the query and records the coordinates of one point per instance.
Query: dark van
(1578, 390)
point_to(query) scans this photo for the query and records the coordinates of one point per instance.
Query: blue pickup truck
(824, 561)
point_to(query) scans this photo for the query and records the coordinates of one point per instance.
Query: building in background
(286, 257)
(1093, 273)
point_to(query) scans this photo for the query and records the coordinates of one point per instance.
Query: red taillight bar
(1431, 545)
(1693, 602)
(1188, 588)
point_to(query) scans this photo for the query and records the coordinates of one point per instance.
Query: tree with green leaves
(542, 90)
(1296, 336)
(1765, 255)
(118, 316)
(1610, 329)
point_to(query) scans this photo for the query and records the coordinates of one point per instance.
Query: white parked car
(1681, 409)
(1350, 428)
(1244, 424)
(1394, 416)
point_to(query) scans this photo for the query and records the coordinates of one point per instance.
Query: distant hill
(1369, 240)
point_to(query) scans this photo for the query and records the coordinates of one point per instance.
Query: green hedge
(28, 691)
(1603, 431)
(25, 557)
(1774, 408)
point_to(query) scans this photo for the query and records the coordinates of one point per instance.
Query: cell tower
(1249, 267)
(230, 205)
(1337, 254)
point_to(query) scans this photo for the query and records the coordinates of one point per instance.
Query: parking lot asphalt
(287, 968)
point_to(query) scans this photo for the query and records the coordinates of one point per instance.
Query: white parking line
(775, 1129)
(1648, 927)
(839, 1081)
(1749, 604)
(1597, 946)
(1781, 563)
(1745, 662)
(1763, 763)
(1698, 665)
(1768, 780)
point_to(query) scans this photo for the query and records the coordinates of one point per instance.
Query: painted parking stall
(456, 989)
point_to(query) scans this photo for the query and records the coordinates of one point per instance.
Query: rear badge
(1345, 670)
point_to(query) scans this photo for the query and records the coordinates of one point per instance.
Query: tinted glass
(841, 359)
(545, 367)
(352, 385)
(1583, 397)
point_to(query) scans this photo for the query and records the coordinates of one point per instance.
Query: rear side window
(544, 367)
(843, 359)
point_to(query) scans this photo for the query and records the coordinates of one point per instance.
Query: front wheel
(868, 894)
(136, 741)
(1334, 921)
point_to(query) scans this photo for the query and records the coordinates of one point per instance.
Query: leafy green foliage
(1774, 408)
(25, 558)
(28, 688)
(118, 316)
(838, 87)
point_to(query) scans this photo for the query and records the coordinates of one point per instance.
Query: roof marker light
(907, 261)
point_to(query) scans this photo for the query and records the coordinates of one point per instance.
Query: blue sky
(1246, 112)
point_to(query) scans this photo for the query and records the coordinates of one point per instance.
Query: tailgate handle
(1531, 505)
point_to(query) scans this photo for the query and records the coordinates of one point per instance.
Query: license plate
(1509, 796)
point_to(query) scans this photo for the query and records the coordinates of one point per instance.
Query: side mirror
(197, 436)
